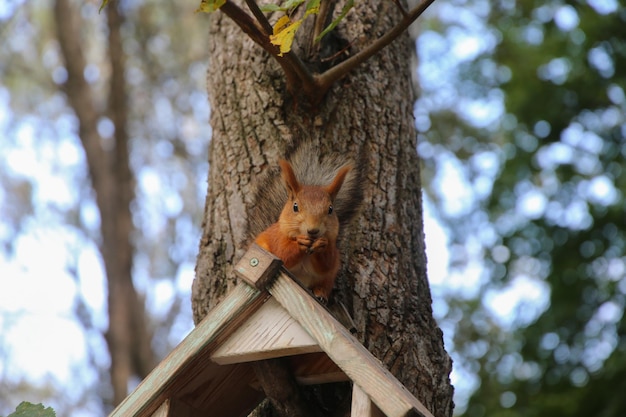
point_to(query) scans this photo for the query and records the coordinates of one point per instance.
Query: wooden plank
(218, 390)
(223, 319)
(181, 409)
(268, 333)
(362, 406)
(175, 408)
(258, 267)
(163, 410)
(316, 368)
(356, 361)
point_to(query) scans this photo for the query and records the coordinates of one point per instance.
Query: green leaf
(349, 5)
(272, 8)
(209, 6)
(292, 4)
(312, 7)
(26, 409)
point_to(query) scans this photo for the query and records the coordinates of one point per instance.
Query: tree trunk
(383, 279)
(129, 337)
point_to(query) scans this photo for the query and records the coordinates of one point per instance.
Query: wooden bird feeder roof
(270, 316)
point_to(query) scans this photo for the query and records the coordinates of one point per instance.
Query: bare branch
(322, 17)
(248, 25)
(299, 78)
(260, 17)
(326, 79)
(296, 72)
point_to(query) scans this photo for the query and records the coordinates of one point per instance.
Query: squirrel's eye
(295, 207)
(330, 209)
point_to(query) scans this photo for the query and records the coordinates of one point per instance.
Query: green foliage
(554, 214)
(26, 409)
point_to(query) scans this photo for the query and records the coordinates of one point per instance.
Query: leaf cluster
(26, 409)
(555, 208)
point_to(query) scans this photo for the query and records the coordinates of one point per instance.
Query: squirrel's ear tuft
(291, 182)
(334, 187)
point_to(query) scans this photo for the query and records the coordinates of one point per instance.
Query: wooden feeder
(210, 373)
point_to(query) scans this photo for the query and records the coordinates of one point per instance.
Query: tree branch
(296, 72)
(321, 18)
(249, 26)
(299, 78)
(328, 78)
(260, 17)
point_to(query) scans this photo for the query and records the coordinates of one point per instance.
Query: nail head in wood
(258, 267)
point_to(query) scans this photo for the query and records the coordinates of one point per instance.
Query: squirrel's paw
(305, 243)
(319, 245)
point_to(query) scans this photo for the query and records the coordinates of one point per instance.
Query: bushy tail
(310, 169)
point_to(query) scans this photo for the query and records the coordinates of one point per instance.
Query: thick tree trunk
(383, 279)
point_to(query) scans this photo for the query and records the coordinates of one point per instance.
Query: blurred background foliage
(53, 288)
(521, 120)
(533, 120)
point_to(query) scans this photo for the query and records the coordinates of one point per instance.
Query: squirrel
(315, 200)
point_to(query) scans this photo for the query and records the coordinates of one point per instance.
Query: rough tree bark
(383, 280)
(128, 337)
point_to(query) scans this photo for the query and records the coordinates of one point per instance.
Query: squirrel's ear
(333, 187)
(291, 182)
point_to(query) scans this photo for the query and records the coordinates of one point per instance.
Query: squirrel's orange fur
(305, 236)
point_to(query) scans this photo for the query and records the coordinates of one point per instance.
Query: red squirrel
(305, 235)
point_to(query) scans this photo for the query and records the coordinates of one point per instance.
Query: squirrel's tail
(310, 169)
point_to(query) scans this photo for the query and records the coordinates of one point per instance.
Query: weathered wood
(268, 333)
(187, 357)
(316, 368)
(163, 410)
(362, 406)
(356, 361)
(218, 390)
(248, 325)
(258, 267)
(175, 408)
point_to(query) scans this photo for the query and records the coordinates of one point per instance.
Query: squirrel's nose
(313, 232)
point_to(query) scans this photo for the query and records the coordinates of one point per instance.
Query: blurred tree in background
(522, 120)
(103, 120)
(535, 126)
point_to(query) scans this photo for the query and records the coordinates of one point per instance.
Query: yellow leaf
(284, 32)
(282, 23)
(209, 6)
